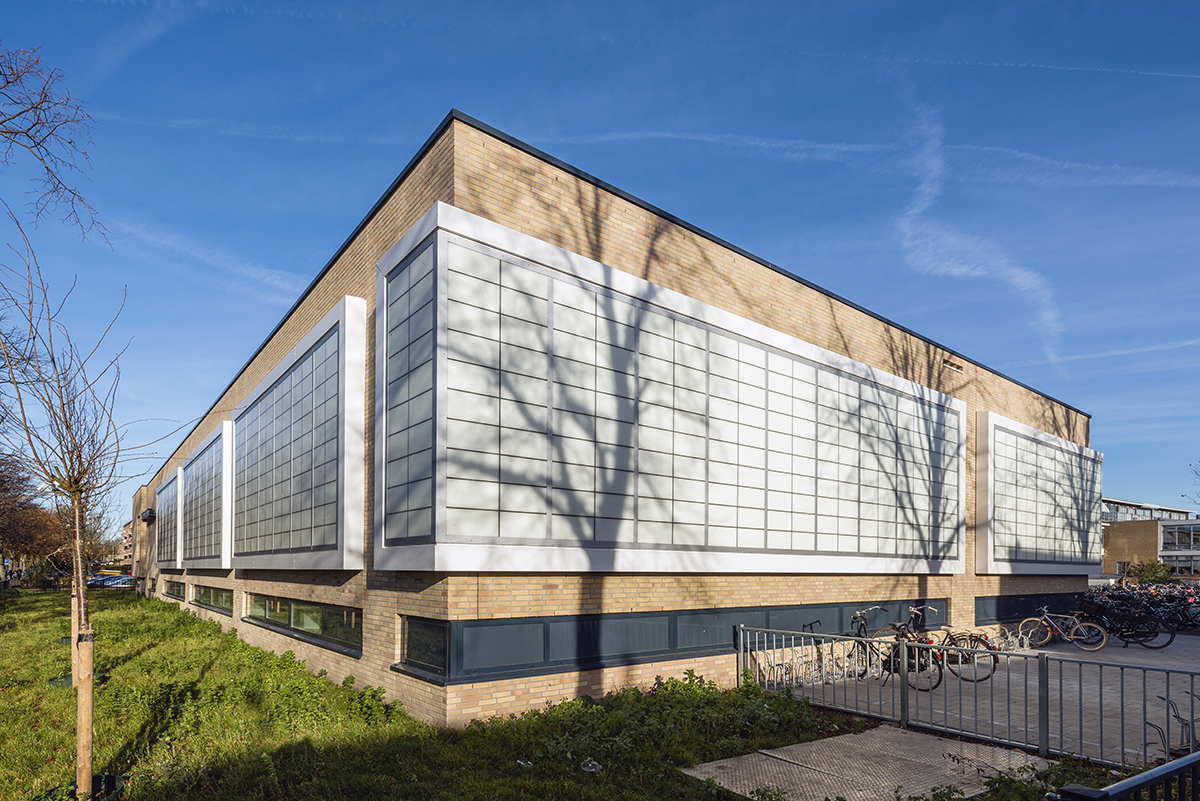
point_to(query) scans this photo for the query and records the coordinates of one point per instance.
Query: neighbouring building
(1143, 532)
(527, 437)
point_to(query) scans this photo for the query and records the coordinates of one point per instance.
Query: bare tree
(56, 400)
(39, 119)
(61, 426)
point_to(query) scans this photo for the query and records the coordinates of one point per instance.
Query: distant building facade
(527, 437)
(1141, 532)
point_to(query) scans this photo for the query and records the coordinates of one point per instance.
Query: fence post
(1043, 704)
(902, 680)
(741, 660)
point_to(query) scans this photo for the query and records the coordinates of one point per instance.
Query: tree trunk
(84, 655)
(83, 716)
(74, 633)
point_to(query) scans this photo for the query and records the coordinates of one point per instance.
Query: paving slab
(866, 766)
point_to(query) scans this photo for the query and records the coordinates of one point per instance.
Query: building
(527, 437)
(1142, 532)
(125, 555)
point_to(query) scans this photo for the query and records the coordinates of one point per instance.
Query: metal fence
(1118, 714)
(1177, 780)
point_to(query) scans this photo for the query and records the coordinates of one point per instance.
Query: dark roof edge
(455, 114)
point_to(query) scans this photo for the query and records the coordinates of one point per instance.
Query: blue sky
(1019, 182)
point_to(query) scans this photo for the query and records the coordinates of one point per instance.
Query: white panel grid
(166, 521)
(657, 431)
(690, 452)
(408, 471)
(1043, 509)
(286, 459)
(202, 496)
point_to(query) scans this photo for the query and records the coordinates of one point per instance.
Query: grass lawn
(190, 712)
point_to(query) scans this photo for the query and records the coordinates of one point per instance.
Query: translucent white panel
(522, 306)
(575, 451)
(723, 366)
(473, 522)
(615, 530)
(618, 360)
(721, 409)
(751, 537)
(688, 512)
(472, 494)
(471, 436)
(616, 432)
(654, 532)
(524, 280)
(690, 357)
(522, 525)
(533, 335)
(687, 533)
(572, 502)
(722, 536)
(723, 494)
(475, 291)
(694, 469)
(523, 498)
(470, 464)
(574, 296)
(690, 335)
(615, 505)
(473, 320)
(524, 361)
(659, 347)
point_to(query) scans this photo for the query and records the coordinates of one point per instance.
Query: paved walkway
(866, 767)
(1095, 709)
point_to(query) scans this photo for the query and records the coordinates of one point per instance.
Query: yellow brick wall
(483, 175)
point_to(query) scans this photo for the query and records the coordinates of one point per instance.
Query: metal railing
(1117, 714)
(1179, 779)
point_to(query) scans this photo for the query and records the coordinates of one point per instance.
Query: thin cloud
(249, 130)
(1006, 165)
(213, 265)
(933, 248)
(159, 20)
(792, 148)
(1112, 354)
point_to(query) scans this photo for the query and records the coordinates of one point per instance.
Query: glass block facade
(1041, 497)
(286, 459)
(202, 496)
(166, 522)
(575, 415)
(410, 368)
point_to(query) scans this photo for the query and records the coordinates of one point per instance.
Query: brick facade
(471, 168)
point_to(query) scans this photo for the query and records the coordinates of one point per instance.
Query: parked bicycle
(1130, 624)
(875, 658)
(977, 662)
(1086, 635)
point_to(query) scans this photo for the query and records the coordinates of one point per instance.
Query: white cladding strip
(504, 557)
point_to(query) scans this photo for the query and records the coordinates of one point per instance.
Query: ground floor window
(214, 598)
(426, 643)
(173, 589)
(325, 624)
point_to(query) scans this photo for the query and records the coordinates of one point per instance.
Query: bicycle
(978, 665)
(1085, 635)
(875, 660)
(1130, 624)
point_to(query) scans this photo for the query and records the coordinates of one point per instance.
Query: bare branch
(40, 119)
